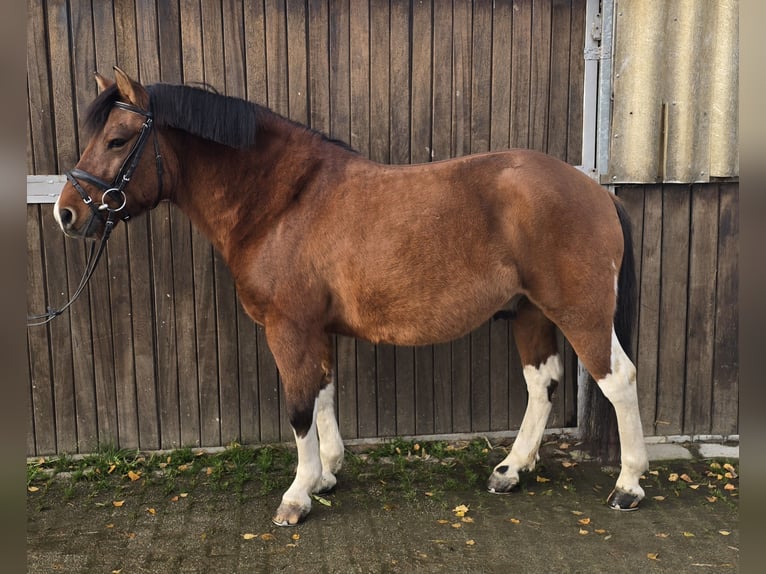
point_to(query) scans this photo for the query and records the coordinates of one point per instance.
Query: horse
(320, 240)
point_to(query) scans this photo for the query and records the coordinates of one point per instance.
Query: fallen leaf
(653, 556)
(673, 477)
(174, 499)
(321, 500)
(460, 510)
(730, 475)
(584, 521)
(456, 525)
(111, 469)
(296, 536)
(730, 468)
(117, 571)
(694, 486)
(715, 465)
(686, 478)
(654, 472)
(568, 464)
(209, 470)
(662, 535)
(110, 525)
(515, 520)
(118, 503)
(442, 521)
(184, 494)
(268, 537)
(163, 465)
(724, 532)
(542, 479)
(729, 486)
(183, 467)
(658, 498)
(33, 488)
(689, 534)
(577, 512)
(291, 545)
(470, 542)
(564, 445)
(428, 493)
(600, 531)
(711, 498)
(466, 519)
(134, 476)
(249, 536)
(583, 531)
(151, 511)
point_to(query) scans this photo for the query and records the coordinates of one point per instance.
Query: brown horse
(320, 240)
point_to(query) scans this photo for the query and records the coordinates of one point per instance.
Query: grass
(399, 467)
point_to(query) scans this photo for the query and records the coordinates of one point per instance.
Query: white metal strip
(44, 188)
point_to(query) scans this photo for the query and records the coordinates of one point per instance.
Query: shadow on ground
(399, 508)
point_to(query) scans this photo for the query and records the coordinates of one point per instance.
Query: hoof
(326, 484)
(625, 501)
(290, 514)
(503, 481)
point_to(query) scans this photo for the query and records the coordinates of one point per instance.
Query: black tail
(599, 426)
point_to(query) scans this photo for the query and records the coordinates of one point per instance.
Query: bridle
(114, 192)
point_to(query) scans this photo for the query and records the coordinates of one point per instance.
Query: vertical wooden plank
(649, 316)
(558, 90)
(441, 136)
(461, 78)
(386, 377)
(345, 372)
(419, 80)
(726, 352)
(42, 384)
(521, 62)
(255, 51)
(367, 389)
(169, 29)
(540, 76)
(125, 38)
(65, 132)
(481, 76)
(276, 55)
(38, 90)
(297, 64)
(576, 82)
(502, 36)
(359, 40)
(499, 372)
(319, 66)
(673, 306)
(700, 328)
(399, 78)
(380, 142)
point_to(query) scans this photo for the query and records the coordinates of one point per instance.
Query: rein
(115, 192)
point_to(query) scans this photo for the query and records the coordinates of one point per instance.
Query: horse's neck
(227, 193)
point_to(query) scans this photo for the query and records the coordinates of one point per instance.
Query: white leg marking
(330, 442)
(620, 388)
(296, 501)
(524, 451)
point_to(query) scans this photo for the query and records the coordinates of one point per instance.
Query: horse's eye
(116, 143)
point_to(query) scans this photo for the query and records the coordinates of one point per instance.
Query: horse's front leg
(303, 358)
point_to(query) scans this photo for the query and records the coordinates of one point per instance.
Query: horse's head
(116, 177)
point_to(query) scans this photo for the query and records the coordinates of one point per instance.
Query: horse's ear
(102, 82)
(131, 91)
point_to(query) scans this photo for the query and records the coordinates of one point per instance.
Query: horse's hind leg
(330, 442)
(536, 341)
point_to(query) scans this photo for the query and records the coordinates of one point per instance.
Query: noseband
(114, 192)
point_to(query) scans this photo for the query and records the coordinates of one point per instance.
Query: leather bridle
(114, 193)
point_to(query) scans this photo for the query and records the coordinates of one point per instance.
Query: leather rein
(112, 193)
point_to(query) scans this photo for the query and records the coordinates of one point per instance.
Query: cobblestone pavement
(556, 522)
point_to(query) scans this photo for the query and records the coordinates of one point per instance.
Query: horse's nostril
(66, 216)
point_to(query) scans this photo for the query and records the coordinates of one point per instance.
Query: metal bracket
(595, 28)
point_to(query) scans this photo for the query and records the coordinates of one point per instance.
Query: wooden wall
(685, 339)
(157, 353)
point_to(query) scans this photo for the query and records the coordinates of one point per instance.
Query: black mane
(199, 111)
